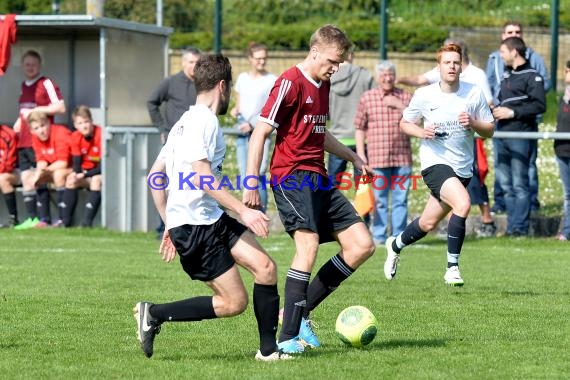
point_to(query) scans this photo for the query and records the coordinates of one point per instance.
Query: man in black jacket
(521, 98)
(177, 92)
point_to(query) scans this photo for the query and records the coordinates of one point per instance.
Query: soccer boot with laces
(453, 277)
(147, 327)
(291, 346)
(273, 357)
(392, 259)
(307, 335)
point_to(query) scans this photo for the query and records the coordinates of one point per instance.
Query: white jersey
(472, 74)
(253, 93)
(453, 144)
(196, 136)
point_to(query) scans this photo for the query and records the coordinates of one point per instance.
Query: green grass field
(66, 298)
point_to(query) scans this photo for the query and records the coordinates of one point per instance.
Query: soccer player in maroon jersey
(86, 162)
(51, 143)
(41, 94)
(9, 177)
(312, 211)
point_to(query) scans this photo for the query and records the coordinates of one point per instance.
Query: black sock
(70, 201)
(191, 309)
(91, 207)
(43, 204)
(455, 238)
(60, 205)
(296, 285)
(410, 235)
(10, 199)
(328, 278)
(30, 201)
(266, 309)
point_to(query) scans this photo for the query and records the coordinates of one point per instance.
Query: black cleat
(147, 327)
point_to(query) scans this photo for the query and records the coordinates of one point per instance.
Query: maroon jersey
(42, 92)
(8, 155)
(298, 107)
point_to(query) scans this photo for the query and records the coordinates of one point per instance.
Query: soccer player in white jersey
(451, 111)
(209, 242)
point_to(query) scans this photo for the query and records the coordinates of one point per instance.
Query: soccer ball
(356, 326)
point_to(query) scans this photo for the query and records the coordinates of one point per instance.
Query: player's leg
(250, 255)
(70, 195)
(7, 183)
(454, 193)
(59, 178)
(94, 200)
(26, 164)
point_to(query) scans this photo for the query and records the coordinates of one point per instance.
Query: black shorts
(436, 175)
(307, 200)
(204, 250)
(477, 191)
(26, 158)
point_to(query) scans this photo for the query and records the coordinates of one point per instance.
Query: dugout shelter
(111, 66)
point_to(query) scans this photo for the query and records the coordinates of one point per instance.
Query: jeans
(499, 196)
(512, 172)
(242, 143)
(564, 167)
(390, 182)
(338, 165)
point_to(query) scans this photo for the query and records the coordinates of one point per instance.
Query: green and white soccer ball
(356, 326)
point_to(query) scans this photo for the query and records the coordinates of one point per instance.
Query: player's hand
(366, 170)
(256, 221)
(167, 249)
(429, 132)
(465, 120)
(41, 176)
(251, 199)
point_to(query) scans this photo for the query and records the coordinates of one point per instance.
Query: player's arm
(257, 139)
(255, 220)
(414, 129)
(413, 80)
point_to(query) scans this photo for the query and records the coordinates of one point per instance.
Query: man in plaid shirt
(388, 150)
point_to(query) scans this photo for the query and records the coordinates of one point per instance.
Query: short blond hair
(37, 117)
(331, 35)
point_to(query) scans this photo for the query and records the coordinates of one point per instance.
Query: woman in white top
(252, 89)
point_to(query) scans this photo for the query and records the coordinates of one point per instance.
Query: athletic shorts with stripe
(307, 200)
(205, 250)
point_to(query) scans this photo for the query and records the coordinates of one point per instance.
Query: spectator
(86, 162)
(9, 177)
(177, 93)
(51, 144)
(347, 86)
(562, 150)
(521, 99)
(495, 73)
(389, 151)
(252, 89)
(39, 94)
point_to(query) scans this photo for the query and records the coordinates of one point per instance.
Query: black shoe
(147, 327)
